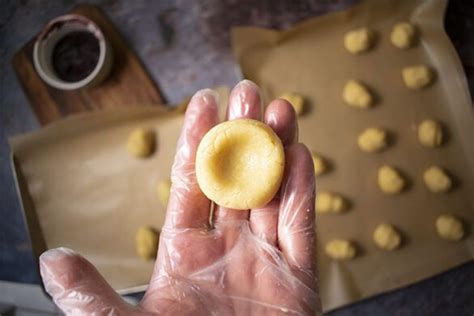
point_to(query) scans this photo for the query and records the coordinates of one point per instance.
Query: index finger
(188, 207)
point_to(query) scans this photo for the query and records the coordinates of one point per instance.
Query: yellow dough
(357, 95)
(163, 191)
(372, 139)
(430, 133)
(146, 242)
(319, 164)
(417, 77)
(359, 40)
(240, 163)
(141, 143)
(436, 180)
(403, 35)
(296, 101)
(390, 181)
(449, 227)
(328, 202)
(386, 237)
(340, 249)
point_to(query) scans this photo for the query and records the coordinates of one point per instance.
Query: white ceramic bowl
(55, 31)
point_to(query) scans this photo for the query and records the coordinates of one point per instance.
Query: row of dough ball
(361, 40)
(359, 95)
(387, 237)
(390, 181)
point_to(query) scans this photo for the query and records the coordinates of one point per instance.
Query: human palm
(219, 262)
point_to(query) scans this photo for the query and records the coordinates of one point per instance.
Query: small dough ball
(163, 191)
(359, 40)
(340, 249)
(430, 133)
(319, 163)
(417, 77)
(357, 95)
(436, 180)
(141, 142)
(403, 35)
(240, 164)
(386, 237)
(449, 227)
(328, 202)
(295, 100)
(372, 139)
(146, 242)
(390, 181)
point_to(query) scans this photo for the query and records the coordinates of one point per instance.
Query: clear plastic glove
(254, 262)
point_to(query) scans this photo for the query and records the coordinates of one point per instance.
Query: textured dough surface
(403, 35)
(436, 180)
(163, 191)
(340, 249)
(430, 133)
(417, 77)
(372, 139)
(240, 164)
(319, 164)
(329, 202)
(141, 142)
(357, 95)
(359, 40)
(295, 100)
(390, 181)
(386, 237)
(146, 242)
(449, 227)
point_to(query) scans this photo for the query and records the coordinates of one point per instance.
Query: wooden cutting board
(128, 84)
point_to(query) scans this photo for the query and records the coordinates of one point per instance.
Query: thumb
(77, 287)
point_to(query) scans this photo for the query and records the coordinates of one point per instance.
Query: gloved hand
(254, 262)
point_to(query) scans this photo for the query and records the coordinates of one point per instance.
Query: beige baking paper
(310, 59)
(81, 189)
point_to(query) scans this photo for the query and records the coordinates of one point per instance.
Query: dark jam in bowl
(75, 56)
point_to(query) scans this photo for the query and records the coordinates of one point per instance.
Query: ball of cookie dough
(372, 139)
(141, 142)
(390, 181)
(319, 163)
(357, 95)
(437, 180)
(295, 100)
(240, 163)
(146, 242)
(449, 227)
(403, 35)
(417, 77)
(430, 133)
(359, 40)
(386, 237)
(329, 202)
(340, 249)
(163, 191)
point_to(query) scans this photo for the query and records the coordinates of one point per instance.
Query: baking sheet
(310, 59)
(80, 188)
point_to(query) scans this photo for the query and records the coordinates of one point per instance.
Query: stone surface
(185, 46)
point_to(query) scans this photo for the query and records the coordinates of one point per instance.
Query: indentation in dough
(430, 133)
(329, 202)
(240, 163)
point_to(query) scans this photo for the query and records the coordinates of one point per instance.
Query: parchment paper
(80, 188)
(310, 60)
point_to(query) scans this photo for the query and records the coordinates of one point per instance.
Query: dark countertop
(185, 46)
